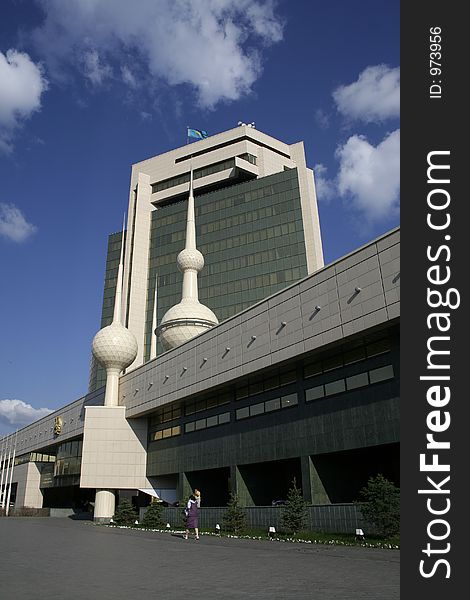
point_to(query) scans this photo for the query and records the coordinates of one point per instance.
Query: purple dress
(193, 515)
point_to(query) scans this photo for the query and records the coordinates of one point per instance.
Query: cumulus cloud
(13, 224)
(17, 413)
(370, 175)
(325, 188)
(373, 98)
(213, 45)
(368, 178)
(22, 84)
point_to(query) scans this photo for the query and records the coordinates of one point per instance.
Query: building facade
(304, 384)
(257, 227)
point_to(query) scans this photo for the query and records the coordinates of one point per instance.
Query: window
(242, 413)
(257, 409)
(211, 421)
(378, 347)
(335, 387)
(333, 362)
(273, 404)
(356, 381)
(314, 393)
(224, 418)
(381, 374)
(354, 355)
(290, 400)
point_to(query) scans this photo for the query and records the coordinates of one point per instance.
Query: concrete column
(105, 504)
(111, 397)
(239, 487)
(313, 489)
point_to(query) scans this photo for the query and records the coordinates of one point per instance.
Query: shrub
(125, 513)
(295, 510)
(380, 505)
(234, 518)
(153, 516)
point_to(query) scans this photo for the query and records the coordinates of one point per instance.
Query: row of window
(207, 403)
(221, 419)
(69, 449)
(224, 267)
(175, 411)
(350, 383)
(34, 457)
(253, 283)
(252, 237)
(328, 389)
(67, 466)
(275, 192)
(203, 172)
(232, 241)
(197, 174)
(347, 357)
(163, 434)
(269, 381)
(207, 422)
(246, 217)
(268, 406)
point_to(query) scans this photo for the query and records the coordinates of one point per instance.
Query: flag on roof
(198, 134)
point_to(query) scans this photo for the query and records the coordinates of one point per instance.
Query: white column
(105, 504)
(111, 397)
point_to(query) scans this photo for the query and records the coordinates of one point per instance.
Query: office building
(257, 227)
(301, 384)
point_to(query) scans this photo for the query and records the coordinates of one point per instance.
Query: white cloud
(213, 45)
(128, 77)
(18, 414)
(322, 119)
(369, 176)
(13, 225)
(94, 69)
(374, 97)
(21, 86)
(325, 188)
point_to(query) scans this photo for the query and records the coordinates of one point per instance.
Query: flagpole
(6, 477)
(11, 476)
(2, 461)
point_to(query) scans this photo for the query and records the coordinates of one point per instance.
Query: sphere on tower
(115, 347)
(184, 321)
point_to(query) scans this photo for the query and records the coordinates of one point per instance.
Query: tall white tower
(115, 348)
(189, 317)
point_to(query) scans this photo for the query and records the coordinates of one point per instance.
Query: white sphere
(184, 321)
(190, 259)
(115, 347)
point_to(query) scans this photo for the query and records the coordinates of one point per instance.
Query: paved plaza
(62, 559)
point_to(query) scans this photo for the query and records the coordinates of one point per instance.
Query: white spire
(114, 346)
(118, 297)
(188, 318)
(153, 339)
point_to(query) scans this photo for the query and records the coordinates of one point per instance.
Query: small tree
(153, 516)
(295, 510)
(380, 505)
(125, 513)
(234, 519)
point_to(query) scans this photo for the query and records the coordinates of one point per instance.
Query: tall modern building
(275, 367)
(257, 226)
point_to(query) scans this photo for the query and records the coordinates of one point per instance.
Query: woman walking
(192, 515)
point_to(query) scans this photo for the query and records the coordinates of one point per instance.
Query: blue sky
(89, 87)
